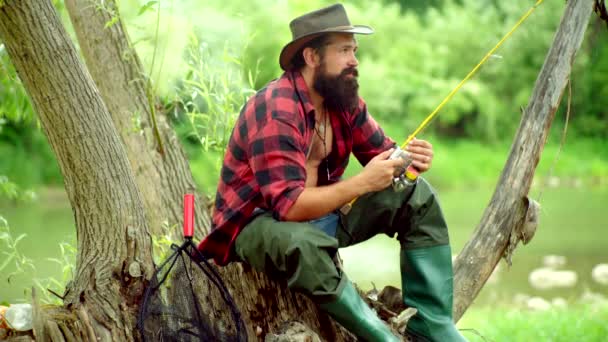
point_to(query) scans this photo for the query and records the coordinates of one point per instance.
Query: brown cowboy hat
(311, 25)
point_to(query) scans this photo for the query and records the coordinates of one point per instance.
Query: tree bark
(113, 240)
(165, 177)
(162, 174)
(104, 294)
(504, 217)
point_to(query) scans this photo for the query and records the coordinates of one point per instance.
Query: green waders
(302, 253)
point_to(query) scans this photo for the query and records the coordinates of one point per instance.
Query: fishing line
(561, 144)
(471, 73)
(434, 113)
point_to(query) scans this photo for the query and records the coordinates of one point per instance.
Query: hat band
(329, 29)
(346, 27)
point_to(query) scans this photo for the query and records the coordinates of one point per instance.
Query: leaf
(250, 77)
(6, 261)
(112, 21)
(146, 7)
(189, 74)
(55, 260)
(19, 238)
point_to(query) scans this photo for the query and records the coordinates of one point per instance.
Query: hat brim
(294, 46)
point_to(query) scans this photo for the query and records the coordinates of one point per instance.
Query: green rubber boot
(427, 282)
(355, 315)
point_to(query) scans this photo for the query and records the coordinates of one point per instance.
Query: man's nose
(353, 62)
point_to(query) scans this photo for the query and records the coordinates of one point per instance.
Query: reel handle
(407, 175)
(188, 216)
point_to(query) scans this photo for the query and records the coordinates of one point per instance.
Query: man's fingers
(384, 155)
(422, 158)
(420, 150)
(422, 167)
(396, 162)
(425, 158)
(419, 142)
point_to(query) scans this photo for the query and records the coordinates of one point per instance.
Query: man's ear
(311, 57)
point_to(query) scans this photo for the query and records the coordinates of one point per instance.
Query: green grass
(580, 322)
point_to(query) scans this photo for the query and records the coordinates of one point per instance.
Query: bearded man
(280, 192)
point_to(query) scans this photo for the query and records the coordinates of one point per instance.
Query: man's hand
(422, 154)
(378, 173)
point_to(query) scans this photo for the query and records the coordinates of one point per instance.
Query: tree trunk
(502, 225)
(165, 177)
(113, 239)
(105, 292)
(161, 170)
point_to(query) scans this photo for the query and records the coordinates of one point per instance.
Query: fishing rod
(407, 175)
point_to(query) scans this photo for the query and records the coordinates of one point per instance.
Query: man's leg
(302, 254)
(426, 264)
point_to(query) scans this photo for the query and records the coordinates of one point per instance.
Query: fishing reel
(406, 175)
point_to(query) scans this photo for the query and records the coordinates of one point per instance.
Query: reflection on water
(572, 225)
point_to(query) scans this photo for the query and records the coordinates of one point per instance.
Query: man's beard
(339, 92)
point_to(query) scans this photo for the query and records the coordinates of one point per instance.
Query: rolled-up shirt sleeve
(368, 138)
(278, 164)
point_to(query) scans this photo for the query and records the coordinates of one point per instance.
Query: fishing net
(186, 299)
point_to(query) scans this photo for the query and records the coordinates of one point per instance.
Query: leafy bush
(211, 94)
(417, 57)
(419, 53)
(27, 157)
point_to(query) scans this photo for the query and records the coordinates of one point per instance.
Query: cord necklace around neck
(321, 131)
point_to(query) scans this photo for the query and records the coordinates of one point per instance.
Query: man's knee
(294, 251)
(310, 268)
(423, 196)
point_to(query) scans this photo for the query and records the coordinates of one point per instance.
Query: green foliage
(11, 254)
(12, 192)
(206, 58)
(418, 56)
(590, 83)
(31, 160)
(147, 7)
(211, 94)
(161, 249)
(15, 261)
(8, 189)
(420, 59)
(14, 104)
(51, 288)
(161, 244)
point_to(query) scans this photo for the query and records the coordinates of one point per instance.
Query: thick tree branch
(113, 241)
(505, 213)
(164, 178)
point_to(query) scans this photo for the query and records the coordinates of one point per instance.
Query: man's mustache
(350, 71)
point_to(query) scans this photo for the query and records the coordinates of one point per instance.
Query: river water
(573, 224)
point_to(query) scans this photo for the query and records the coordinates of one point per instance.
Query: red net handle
(188, 215)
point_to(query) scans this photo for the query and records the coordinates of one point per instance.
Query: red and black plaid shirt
(264, 165)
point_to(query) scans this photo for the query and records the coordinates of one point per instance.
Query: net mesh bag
(186, 300)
